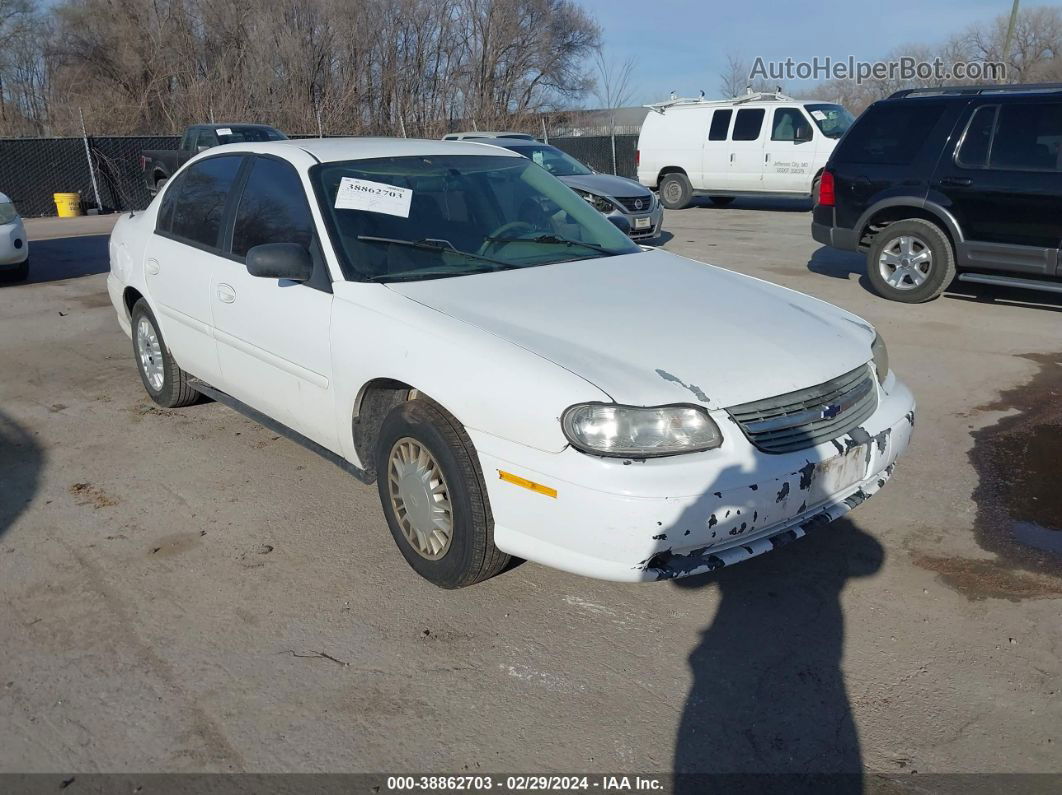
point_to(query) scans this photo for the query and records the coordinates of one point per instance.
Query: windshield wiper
(433, 244)
(433, 273)
(560, 241)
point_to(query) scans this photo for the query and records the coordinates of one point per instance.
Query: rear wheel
(721, 201)
(911, 261)
(675, 191)
(434, 496)
(165, 382)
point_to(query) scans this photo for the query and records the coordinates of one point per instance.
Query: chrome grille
(630, 203)
(811, 416)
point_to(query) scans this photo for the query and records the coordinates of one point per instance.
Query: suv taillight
(827, 197)
(637, 157)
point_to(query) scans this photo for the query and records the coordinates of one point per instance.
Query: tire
(174, 390)
(469, 555)
(721, 201)
(19, 274)
(915, 284)
(675, 191)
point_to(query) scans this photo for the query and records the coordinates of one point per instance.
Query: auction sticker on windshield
(373, 197)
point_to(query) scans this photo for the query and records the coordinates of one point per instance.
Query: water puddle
(1019, 461)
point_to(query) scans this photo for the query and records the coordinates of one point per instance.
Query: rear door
(1004, 184)
(789, 152)
(746, 150)
(716, 158)
(273, 335)
(181, 256)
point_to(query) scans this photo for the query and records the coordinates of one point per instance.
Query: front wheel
(675, 191)
(434, 496)
(911, 261)
(165, 382)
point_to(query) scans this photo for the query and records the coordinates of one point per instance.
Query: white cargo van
(756, 145)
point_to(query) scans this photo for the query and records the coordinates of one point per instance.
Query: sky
(683, 46)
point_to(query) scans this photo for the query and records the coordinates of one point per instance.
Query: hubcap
(420, 498)
(905, 262)
(673, 191)
(150, 353)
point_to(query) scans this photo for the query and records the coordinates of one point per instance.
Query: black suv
(933, 181)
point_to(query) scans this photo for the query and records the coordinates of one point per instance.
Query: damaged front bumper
(683, 515)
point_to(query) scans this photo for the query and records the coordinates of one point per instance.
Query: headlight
(635, 432)
(599, 203)
(881, 358)
(7, 212)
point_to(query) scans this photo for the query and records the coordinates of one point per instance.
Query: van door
(716, 158)
(789, 152)
(746, 150)
(1004, 185)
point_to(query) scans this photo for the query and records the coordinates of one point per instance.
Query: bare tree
(613, 90)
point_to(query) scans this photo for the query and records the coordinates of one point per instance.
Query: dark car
(614, 197)
(931, 183)
(159, 165)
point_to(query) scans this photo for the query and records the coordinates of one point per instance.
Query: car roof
(965, 92)
(330, 150)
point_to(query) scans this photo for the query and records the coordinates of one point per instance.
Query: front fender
(489, 384)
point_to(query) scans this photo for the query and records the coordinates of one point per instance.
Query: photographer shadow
(768, 708)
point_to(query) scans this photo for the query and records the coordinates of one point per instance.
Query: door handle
(767, 157)
(731, 157)
(152, 266)
(226, 294)
(958, 182)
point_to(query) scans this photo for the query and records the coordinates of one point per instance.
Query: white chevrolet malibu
(519, 378)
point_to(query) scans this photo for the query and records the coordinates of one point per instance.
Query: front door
(716, 157)
(789, 152)
(273, 335)
(180, 259)
(1004, 184)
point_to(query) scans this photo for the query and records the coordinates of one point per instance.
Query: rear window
(720, 125)
(1028, 138)
(889, 133)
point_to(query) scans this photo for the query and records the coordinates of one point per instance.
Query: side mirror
(201, 148)
(620, 222)
(280, 261)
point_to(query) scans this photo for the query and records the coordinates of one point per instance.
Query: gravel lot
(183, 590)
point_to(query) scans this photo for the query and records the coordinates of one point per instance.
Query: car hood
(606, 185)
(654, 328)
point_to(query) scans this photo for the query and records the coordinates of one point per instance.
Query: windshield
(409, 218)
(556, 162)
(833, 120)
(234, 134)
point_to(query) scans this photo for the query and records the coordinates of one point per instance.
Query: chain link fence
(33, 169)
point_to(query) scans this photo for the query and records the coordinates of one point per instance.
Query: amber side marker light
(516, 480)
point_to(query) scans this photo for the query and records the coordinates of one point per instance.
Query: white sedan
(519, 378)
(14, 245)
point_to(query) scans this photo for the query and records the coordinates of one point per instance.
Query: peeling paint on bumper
(674, 517)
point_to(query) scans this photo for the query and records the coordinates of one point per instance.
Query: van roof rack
(757, 96)
(995, 88)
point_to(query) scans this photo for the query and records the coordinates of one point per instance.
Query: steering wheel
(505, 230)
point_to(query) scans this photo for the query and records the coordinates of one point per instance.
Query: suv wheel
(675, 191)
(165, 382)
(434, 497)
(911, 261)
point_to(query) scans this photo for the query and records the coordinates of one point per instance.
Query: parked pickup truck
(159, 165)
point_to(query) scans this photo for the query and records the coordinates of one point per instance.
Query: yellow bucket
(68, 205)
